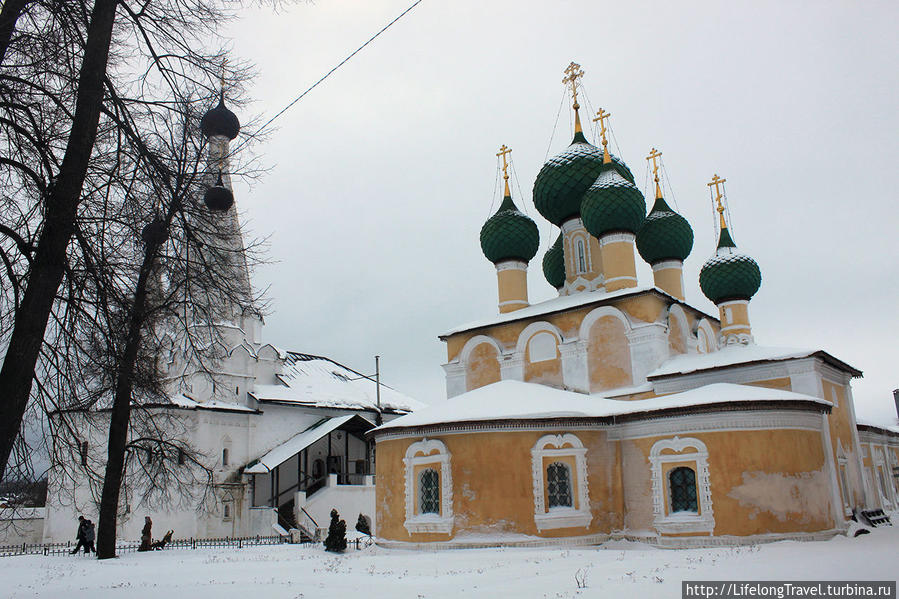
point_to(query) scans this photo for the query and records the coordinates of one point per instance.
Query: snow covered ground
(616, 569)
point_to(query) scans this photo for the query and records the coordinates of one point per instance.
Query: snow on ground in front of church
(617, 569)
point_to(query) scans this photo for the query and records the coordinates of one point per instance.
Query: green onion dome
(612, 204)
(561, 183)
(729, 275)
(509, 235)
(664, 235)
(554, 264)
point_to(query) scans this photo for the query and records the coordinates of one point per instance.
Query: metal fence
(67, 547)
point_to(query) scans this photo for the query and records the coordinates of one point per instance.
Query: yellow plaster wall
(483, 367)
(608, 356)
(618, 261)
(772, 481)
(841, 433)
(546, 372)
(493, 484)
(670, 280)
(677, 338)
(740, 317)
(512, 285)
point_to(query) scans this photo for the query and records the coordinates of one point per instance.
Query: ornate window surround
(664, 521)
(422, 453)
(553, 446)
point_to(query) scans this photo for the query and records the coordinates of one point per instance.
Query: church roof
(562, 303)
(516, 400)
(733, 355)
(317, 381)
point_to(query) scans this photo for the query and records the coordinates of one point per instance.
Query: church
(281, 433)
(617, 410)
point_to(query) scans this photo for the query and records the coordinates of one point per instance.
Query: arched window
(561, 496)
(429, 492)
(581, 256)
(558, 485)
(682, 489)
(225, 456)
(429, 488)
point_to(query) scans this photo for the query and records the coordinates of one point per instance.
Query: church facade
(617, 410)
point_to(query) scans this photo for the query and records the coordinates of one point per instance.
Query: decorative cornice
(619, 237)
(511, 265)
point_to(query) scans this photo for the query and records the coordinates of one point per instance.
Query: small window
(181, 457)
(558, 485)
(581, 257)
(226, 510)
(225, 456)
(428, 492)
(682, 488)
(361, 467)
(728, 315)
(82, 446)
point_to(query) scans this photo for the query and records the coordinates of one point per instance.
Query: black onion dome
(509, 235)
(554, 264)
(561, 183)
(664, 235)
(154, 232)
(612, 204)
(218, 197)
(220, 121)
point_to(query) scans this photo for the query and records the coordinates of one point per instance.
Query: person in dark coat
(79, 536)
(146, 535)
(89, 536)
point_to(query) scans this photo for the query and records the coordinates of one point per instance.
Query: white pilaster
(575, 374)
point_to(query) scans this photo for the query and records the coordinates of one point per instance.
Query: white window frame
(434, 523)
(553, 446)
(664, 520)
(580, 251)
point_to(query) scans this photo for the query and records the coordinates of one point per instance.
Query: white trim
(706, 327)
(620, 237)
(736, 302)
(665, 522)
(427, 522)
(511, 265)
(677, 312)
(613, 279)
(532, 329)
(524, 303)
(552, 446)
(718, 421)
(666, 264)
(475, 341)
(594, 315)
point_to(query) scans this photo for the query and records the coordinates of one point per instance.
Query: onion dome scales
(509, 234)
(561, 183)
(729, 274)
(612, 204)
(664, 235)
(554, 264)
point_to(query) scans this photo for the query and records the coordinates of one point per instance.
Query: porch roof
(298, 443)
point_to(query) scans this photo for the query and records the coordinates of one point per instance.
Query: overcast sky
(381, 178)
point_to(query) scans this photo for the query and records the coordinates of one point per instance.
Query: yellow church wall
(670, 280)
(493, 489)
(618, 265)
(545, 372)
(482, 367)
(842, 434)
(512, 286)
(677, 339)
(772, 481)
(608, 356)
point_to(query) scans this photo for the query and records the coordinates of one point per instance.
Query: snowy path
(291, 572)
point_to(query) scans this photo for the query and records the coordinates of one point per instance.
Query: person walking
(79, 536)
(89, 536)
(146, 535)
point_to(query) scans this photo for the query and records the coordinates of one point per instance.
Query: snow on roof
(319, 381)
(892, 427)
(296, 444)
(183, 401)
(741, 354)
(515, 400)
(558, 304)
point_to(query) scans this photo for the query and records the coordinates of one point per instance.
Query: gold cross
(573, 72)
(602, 116)
(505, 151)
(653, 154)
(716, 181)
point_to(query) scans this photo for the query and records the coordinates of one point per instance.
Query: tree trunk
(10, 13)
(121, 415)
(50, 257)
